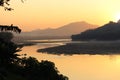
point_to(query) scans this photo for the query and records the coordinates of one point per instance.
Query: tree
(44, 70)
(8, 54)
(6, 36)
(10, 28)
(8, 51)
(6, 45)
(6, 5)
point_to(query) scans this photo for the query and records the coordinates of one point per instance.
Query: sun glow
(117, 17)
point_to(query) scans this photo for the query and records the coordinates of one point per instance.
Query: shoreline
(84, 48)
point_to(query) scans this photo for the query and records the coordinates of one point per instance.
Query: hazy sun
(117, 17)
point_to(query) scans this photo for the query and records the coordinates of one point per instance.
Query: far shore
(101, 47)
(34, 42)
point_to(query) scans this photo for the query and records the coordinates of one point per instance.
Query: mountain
(107, 32)
(64, 31)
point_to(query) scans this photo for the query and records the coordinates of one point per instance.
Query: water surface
(79, 67)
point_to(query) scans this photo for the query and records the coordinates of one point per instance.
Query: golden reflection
(81, 67)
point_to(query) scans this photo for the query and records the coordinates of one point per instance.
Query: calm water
(79, 67)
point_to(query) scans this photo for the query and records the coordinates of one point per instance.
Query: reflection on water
(51, 40)
(80, 67)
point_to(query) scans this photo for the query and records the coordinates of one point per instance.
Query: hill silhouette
(64, 31)
(107, 32)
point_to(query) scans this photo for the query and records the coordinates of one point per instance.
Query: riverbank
(48, 41)
(84, 48)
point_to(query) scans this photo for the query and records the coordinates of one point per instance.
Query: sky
(42, 14)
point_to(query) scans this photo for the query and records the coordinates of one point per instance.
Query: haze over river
(78, 67)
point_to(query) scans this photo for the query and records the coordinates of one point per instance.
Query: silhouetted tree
(3, 74)
(8, 51)
(10, 28)
(8, 54)
(44, 70)
(6, 5)
(6, 36)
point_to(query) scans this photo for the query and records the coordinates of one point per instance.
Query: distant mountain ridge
(66, 30)
(107, 32)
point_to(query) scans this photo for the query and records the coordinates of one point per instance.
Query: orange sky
(34, 14)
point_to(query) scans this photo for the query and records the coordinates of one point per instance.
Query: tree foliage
(6, 5)
(8, 54)
(10, 28)
(32, 69)
(8, 49)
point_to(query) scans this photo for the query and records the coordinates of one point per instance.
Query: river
(79, 67)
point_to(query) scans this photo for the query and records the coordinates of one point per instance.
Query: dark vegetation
(6, 5)
(90, 48)
(10, 28)
(26, 68)
(107, 32)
